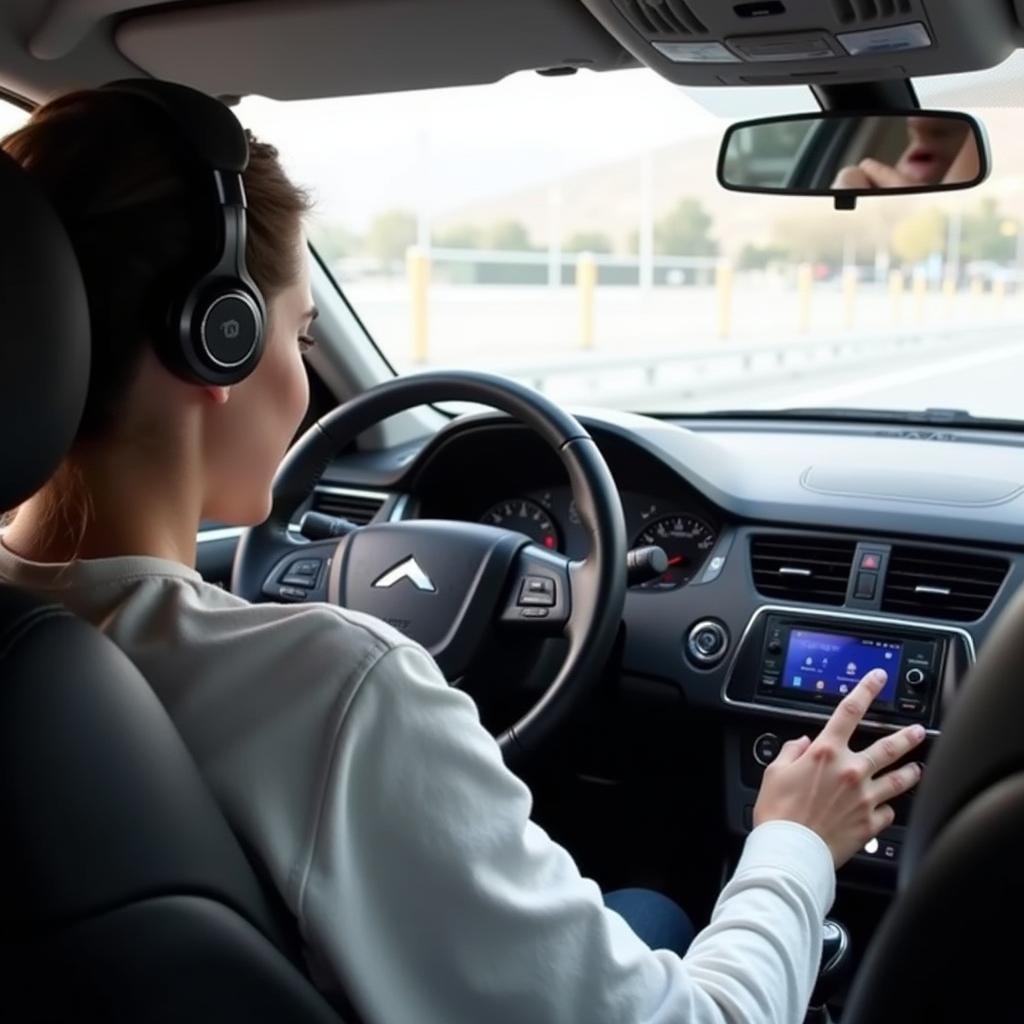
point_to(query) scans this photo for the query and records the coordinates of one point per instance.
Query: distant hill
(607, 198)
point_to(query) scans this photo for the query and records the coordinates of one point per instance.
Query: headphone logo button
(230, 328)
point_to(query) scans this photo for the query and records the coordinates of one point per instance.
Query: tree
(461, 236)
(588, 241)
(390, 234)
(685, 231)
(757, 257)
(510, 236)
(982, 236)
(916, 237)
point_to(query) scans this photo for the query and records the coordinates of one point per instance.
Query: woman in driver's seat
(380, 806)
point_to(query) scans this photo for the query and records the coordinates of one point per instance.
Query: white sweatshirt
(396, 835)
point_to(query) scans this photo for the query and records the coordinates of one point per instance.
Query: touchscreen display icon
(833, 663)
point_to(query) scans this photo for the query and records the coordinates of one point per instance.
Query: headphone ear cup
(230, 333)
(217, 334)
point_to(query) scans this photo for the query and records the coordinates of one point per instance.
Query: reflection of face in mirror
(939, 151)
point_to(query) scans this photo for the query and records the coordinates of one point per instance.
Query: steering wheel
(448, 585)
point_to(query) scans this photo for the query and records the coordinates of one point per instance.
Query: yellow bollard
(949, 293)
(723, 290)
(417, 264)
(896, 294)
(804, 283)
(999, 294)
(920, 292)
(586, 282)
(849, 297)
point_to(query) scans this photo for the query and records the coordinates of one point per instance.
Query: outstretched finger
(890, 749)
(895, 783)
(854, 706)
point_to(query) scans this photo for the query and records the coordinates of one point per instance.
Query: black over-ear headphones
(217, 322)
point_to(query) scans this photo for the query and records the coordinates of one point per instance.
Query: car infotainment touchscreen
(831, 664)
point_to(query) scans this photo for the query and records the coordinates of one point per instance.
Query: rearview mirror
(846, 155)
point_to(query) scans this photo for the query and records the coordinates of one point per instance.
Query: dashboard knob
(914, 677)
(766, 748)
(707, 642)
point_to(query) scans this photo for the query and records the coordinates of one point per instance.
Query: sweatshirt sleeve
(431, 897)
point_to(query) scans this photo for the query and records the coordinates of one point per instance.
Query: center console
(805, 664)
(799, 664)
(792, 667)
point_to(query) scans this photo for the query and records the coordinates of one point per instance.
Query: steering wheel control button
(707, 642)
(292, 593)
(537, 591)
(303, 572)
(534, 613)
(766, 748)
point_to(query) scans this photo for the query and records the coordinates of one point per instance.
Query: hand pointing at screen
(842, 795)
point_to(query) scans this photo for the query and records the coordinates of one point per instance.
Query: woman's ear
(218, 393)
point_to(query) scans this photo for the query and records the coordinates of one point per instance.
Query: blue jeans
(655, 918)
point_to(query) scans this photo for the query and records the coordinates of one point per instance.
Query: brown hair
(136, 204)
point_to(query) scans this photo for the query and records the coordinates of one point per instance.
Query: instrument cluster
(550, 518)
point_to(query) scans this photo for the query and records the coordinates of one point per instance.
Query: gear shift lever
(835, 966)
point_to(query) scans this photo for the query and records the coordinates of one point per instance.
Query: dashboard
(800, 555)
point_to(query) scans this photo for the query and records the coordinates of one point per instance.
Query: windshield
(569, 232)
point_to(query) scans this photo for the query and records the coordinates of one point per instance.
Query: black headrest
(44, 338)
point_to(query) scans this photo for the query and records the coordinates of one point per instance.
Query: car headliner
(308, 48)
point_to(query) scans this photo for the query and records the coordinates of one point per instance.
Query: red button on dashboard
(870, 561)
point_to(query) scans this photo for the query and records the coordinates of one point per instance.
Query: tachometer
(686, 540)
(527, 517)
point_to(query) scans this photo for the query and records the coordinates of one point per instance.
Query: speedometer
(686, 540)
(527, 517)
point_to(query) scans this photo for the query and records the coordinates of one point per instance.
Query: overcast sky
(447, 147)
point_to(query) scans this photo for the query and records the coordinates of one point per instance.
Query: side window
(11, 117)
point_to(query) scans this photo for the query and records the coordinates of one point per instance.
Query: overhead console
(814, 42)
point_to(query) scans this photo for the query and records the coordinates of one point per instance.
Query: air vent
(358, 506)
(857, 12)
(941, 584)
(662, 17)
(802, 568)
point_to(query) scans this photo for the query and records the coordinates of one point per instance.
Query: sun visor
(306, 49)
(810, 42)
